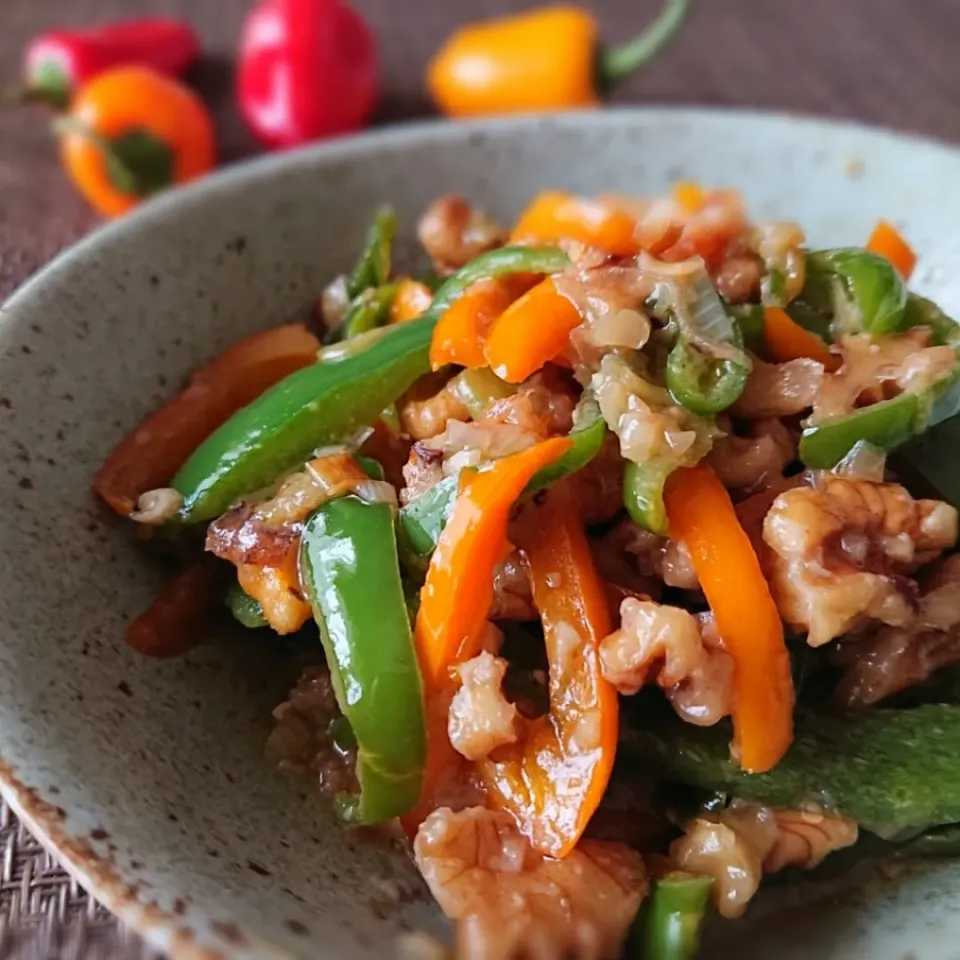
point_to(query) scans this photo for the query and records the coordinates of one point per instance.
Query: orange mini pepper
(532, 331)
(553, 778)
(701, 514)
(784, 339)
(411, 300)
(130, 133)
(153, 452)
(888, 242)
(545, 59)
(554, 216)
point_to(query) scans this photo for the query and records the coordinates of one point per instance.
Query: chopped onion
(377, 491)
(350, 348)
(334, 302)
(864, 461)
(621, 328)
(156, 507)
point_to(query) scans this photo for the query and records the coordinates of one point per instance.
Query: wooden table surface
(882, 61)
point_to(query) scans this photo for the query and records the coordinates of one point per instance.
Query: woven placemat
(883, 61)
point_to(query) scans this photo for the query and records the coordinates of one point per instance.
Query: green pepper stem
(621, 61)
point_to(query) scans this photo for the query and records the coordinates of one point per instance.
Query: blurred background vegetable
(306, 69)
(132, 132)
(57, 63)
(546, 59)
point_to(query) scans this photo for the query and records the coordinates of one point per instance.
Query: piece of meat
(668, 646)
(747, 840)
(512, 596)
(892, 659)
(755, 461)
(652, 556)
(738, 278)
(427, 407)
(842, 551)
(422, 472)
(453, 232)
(480, 718)
(779, 389)
(511, 903)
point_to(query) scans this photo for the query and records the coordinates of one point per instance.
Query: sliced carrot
(701, 515)
(532, 331)
(553, 778)
(561, 216)
(689, 195)
(411, 300)
(148, 457)
(888, 242)
(461, 331)
(786, 340)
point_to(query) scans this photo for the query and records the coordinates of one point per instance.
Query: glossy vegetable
(459, 586)
(887, 424)
(553, 778)
(244, 608)
(702, 516)
(531, 332)
(887, 242)
(174, 623)
(862, 291)
(554, 216)
(59, 62)
(668, 925)
(329, 401)
(373, 266)
(462, 330)
(148, 457)
(348, 554)
(369, 310)
(785, 340)
(888, 770)
(412, 300)
(423, 520)
(544, 59)
(643, 486)
(131, 133)
(306, 69)
(707, 368)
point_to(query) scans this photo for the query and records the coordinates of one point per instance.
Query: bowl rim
(40, 815)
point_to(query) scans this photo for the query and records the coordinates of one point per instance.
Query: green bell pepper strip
(643, 494)
(704, 385)
(875, 293)
(479, 388)
(350, 575)
(887, 424)
(368, 310)
(373, 267)
(921, 312)
(244, 608)
(668, 924)
(749, 319)
(423, 520)
(888, 770)
(324, 403)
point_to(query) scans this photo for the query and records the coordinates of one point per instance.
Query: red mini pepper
(58, 63)
(308, 69)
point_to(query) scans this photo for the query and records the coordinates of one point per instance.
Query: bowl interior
(149, 777)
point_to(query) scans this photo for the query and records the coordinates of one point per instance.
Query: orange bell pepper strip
(152, 453)
(461, 331)
(531, 332)
(888, 242)
(411, 300)
(458, 591)
(785, 340)
(701, 514)
(560, 216)
(689, 195)
(456, 598)
(553, 778)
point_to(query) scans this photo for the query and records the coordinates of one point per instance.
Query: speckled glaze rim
(40, 814)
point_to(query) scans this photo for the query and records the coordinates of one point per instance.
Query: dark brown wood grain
(882, 61)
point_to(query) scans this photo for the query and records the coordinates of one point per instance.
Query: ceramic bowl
(148, 779)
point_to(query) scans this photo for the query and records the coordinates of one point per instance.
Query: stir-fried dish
(628, 547)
